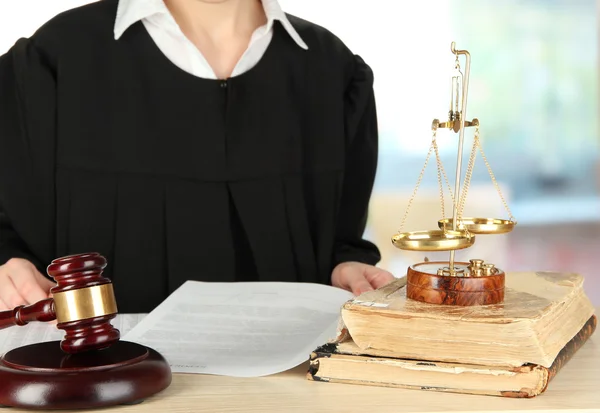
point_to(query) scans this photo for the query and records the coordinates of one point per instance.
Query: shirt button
(224, 84)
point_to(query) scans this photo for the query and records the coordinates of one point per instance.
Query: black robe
(107, 146)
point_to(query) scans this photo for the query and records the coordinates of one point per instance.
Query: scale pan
(480, 225)
(436, 240)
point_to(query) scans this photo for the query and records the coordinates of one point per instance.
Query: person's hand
(357, 277)
(22, 284)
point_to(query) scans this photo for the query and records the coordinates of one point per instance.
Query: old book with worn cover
(541, 312)
(345, 362)
(511, 349)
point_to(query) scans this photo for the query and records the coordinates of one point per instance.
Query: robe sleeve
(11, 245)
(27, 155)
(360, 169)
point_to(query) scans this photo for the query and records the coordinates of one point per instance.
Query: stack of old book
(513, 349)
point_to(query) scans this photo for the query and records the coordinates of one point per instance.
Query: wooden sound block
(423, 284)
(42, 376)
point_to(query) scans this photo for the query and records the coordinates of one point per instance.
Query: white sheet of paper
(241, 329)
(17, 336)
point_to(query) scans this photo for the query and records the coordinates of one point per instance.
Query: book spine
(562, 358)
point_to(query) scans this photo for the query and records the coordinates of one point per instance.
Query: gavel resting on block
(90, 367)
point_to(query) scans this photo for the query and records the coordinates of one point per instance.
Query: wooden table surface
(575, 389)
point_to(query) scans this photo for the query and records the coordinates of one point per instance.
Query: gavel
(83, 303)
(91, 367)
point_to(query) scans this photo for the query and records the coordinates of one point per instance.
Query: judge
(212, 140)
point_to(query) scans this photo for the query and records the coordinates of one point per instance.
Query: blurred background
(533, 87)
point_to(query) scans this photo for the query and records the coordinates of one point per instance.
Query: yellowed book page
(440, 376)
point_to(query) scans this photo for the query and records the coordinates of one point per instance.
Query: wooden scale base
(42, 376)
(471, 284)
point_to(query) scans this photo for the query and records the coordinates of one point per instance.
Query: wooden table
(575, 389)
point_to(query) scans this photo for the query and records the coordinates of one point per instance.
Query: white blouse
(169, 38)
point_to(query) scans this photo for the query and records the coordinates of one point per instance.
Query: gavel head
(84, 302)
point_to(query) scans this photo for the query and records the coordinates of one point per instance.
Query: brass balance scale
(450, 282)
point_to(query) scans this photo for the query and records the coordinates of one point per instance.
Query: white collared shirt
(169, 38)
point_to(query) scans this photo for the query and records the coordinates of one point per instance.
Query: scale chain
(495, 182)
(440, 172)
(439, 176)
(440, 167)
(468, 174)
(412, 197)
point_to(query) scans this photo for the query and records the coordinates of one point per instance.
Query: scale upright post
(461, 140)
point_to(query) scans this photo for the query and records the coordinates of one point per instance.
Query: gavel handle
(21, 315)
